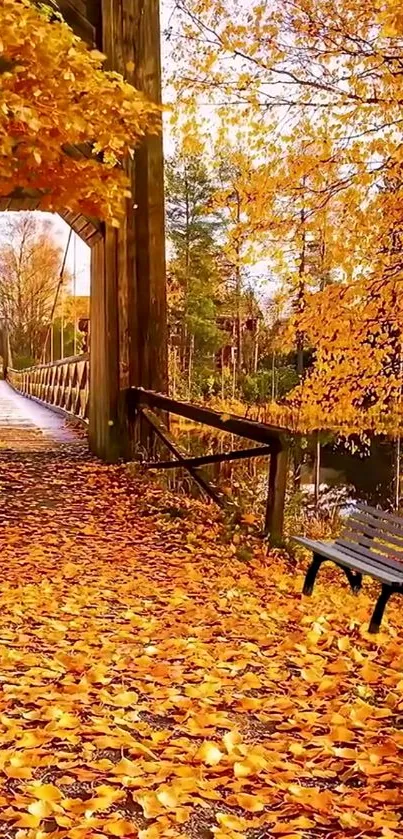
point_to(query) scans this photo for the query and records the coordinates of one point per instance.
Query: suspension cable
(59, 285)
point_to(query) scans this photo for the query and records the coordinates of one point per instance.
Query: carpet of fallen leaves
(153, 684)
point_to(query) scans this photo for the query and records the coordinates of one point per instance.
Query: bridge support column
(128, 340)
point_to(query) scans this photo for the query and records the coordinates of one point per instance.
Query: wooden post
(278, 471)
(104, 431)
(396, 504)
(152, 335)
(128, 309)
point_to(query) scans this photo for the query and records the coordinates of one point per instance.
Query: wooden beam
(78, 21)
(149, 199)
(257, 431)
(183, 460)
(205, 460)
(278, 471)
(131, 40)
(136, 272)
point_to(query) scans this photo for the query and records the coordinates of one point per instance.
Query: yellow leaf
(127, 767)
(231, 739)
(119, 827)
(125, 699)
(209, 753)
(22, 772)
(167, 797)
(231, 822)
(27, 820)
(252, 803)
(249, 518)
(41, 809)
(45, 792)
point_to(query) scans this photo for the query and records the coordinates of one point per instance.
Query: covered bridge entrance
(128, 295)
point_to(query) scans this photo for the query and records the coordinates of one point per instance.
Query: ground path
(153, 685)
(27, 424)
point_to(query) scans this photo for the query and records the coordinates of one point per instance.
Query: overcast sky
(78, 254)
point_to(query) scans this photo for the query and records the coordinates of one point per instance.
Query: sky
(78, 256)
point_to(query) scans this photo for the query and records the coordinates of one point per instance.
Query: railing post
(278, 471)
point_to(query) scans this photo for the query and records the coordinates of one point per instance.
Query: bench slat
(380, 514)
(355, 548)
(372, 544)
(365, 565)
(375, 526)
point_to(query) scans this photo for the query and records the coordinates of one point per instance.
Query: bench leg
(354, 578)
(380, 605)
(311, 575)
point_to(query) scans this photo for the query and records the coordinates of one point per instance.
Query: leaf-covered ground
(153, 684)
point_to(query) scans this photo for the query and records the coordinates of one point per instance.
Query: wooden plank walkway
(24, 424)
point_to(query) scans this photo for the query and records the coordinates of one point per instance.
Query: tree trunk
(256, 348)
(317, 471)
(397, 473)
(190, 363)
(298, 455)
(300, 300)
(238, 294)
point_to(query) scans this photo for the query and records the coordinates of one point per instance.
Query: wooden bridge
(117, 390)
(153, 683)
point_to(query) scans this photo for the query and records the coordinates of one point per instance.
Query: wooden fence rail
(62, 385)
(142, 405)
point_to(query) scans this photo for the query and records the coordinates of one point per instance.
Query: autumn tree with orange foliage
(317, 90)
(30, 262)
(66, 125)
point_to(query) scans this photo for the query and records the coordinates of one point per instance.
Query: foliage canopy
(66, 125)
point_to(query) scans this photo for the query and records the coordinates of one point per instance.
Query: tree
(234, 167)
(29, 274)
(330, 71)
(194, 274)
(295, 57)
(355, 383)
(66, 125)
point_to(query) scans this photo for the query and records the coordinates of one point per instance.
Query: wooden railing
(62, 385)
(272, 442)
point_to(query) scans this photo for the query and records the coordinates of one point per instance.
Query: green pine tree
(195, 273)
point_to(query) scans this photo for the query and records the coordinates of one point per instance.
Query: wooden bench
(372, 544)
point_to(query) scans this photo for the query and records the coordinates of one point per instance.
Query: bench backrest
(372, 533)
